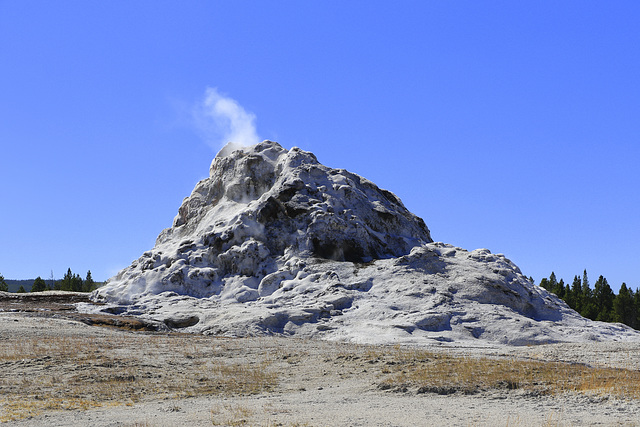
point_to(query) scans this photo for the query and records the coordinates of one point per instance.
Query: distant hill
(14, 285)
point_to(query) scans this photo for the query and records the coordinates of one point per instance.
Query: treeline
(599, 302)
(70, 282)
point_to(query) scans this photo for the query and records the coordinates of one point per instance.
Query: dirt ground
(58, 368)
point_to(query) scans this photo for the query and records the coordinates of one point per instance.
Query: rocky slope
(273, 242)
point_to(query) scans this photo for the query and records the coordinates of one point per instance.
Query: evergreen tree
(89, 284)
(569, 297)
(552, 280)
(544, 283)
(559, 289)
(603, 297)
(588, 309)
(66, 284)
(624, 308)
(3, 285)
(21, 290)
(576, 294)
(636, 305)
(551, 283)
(586, 289)
(76, 283)
(39, 285)
(600, 303)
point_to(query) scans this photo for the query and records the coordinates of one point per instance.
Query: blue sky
(507, 125)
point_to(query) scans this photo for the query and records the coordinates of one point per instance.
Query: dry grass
(17, 409)
(230, 415)
(79, 373)
(244, 379)
(239, 415)
(74, 373)
(446, 374)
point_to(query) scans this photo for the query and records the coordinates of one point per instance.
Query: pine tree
(89, 284)
(559, 289)
(39, 285)
(603, 297)
(552, 283)
(569, 297)
(544, 283)
(567, 291)
(3, 285)
(21, 290)
(576, 294)
(76, 283)
(636, 306)
(624, 308)
(549, 284)
(588, 309)
(67, 281)
(585, 283)
(600, 303)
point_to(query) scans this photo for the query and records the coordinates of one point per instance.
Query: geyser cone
(273, 242)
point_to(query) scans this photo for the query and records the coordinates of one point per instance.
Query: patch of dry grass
(445, 374)
(230, 415)
(13, 409)
(239, 415)
(245, 379)
(76, 373)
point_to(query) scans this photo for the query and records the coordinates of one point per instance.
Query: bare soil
(59, 369)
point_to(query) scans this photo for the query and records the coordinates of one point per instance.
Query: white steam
(221, 120)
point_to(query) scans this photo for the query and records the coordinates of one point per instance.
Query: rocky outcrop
(262, 208)
(273, 242)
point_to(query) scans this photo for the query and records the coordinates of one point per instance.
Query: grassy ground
(53, 373)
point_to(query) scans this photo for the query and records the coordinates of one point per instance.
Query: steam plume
(221, 119)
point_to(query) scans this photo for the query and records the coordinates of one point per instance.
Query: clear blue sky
(513, 126)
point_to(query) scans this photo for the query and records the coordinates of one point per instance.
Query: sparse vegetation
(230, 415)
(70, 282)
(239, 415)
(122, 368)
(107, 371)
(429, 372)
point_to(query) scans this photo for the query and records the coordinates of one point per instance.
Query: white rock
(273, 242)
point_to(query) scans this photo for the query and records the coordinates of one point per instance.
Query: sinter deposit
(273, 242)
